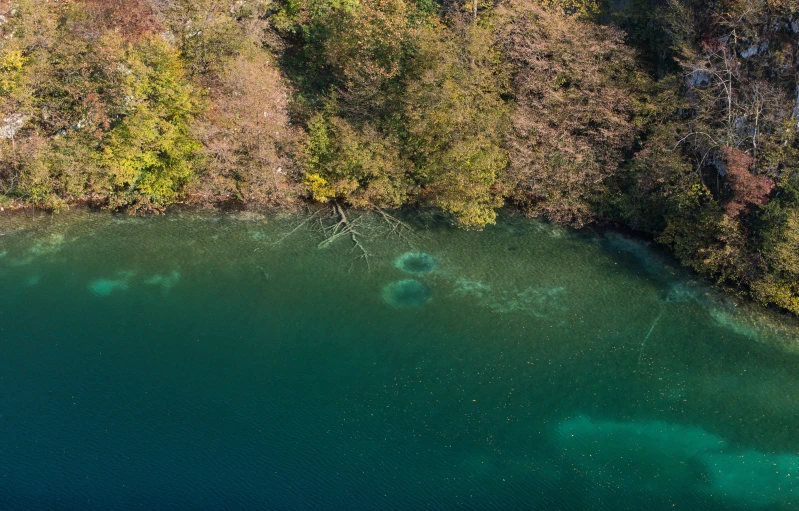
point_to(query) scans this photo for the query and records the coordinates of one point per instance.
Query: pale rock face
(11, 125)
(699, 77)
(752, 50)
(168, 37)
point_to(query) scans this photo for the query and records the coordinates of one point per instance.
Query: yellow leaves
(150, 152)
(780, 293)
(11, 64)
(456, 119)
(783, 253)
(472, 214)
(584, 8)
(361, 166)
(697, 192)
(320, 189)
(12, 61)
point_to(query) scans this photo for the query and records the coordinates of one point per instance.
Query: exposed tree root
(397, 226)
(335, 224)
(311, 217)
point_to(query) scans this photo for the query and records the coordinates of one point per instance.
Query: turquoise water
(207, 361)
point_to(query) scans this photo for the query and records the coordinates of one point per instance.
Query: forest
(678, 119)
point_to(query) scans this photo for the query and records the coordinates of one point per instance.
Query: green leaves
(455, 118)
(359, 166)
(413, 109)
(106, 115)
(150, 150)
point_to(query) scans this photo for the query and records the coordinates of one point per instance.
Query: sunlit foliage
(678, 118)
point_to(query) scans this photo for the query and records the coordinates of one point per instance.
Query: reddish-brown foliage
(574, 108)
(247, 135)
(747, 188)
(131, 18)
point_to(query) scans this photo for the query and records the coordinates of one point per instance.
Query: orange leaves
(747, 188)
(575, 86)
(132, 18)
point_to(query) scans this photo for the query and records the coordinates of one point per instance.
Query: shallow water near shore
(201, 360)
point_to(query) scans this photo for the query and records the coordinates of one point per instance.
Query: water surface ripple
(207, 361)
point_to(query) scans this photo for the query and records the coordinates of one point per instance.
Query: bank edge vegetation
(677, 118)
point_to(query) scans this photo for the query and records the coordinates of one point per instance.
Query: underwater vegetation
(681, 292)
(659, 457)
(41, 247)
(415, 263)
(105, 287)
(747, 321)
(654, 456)
(410, 292)
(641, 253)
(166, 282)
(470, 287)
(538, 301)
(758, 478)
(406, 293)
(48, 245)
(730, 320)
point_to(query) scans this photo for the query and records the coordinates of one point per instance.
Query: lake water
(224, 361)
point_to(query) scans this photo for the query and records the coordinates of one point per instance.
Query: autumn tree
(357, 165)
(746, 187)
(209, 33)
(248, 142)
(588, 9)
(574, 117)
(456, 118)
(714, 174)
(105, 115)
(149, 153)
(64, 87)
(131, 18)
(779, 237)
(366, 50)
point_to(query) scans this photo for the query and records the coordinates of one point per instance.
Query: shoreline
(729, 297)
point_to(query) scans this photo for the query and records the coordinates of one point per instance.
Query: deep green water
(197, 361)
